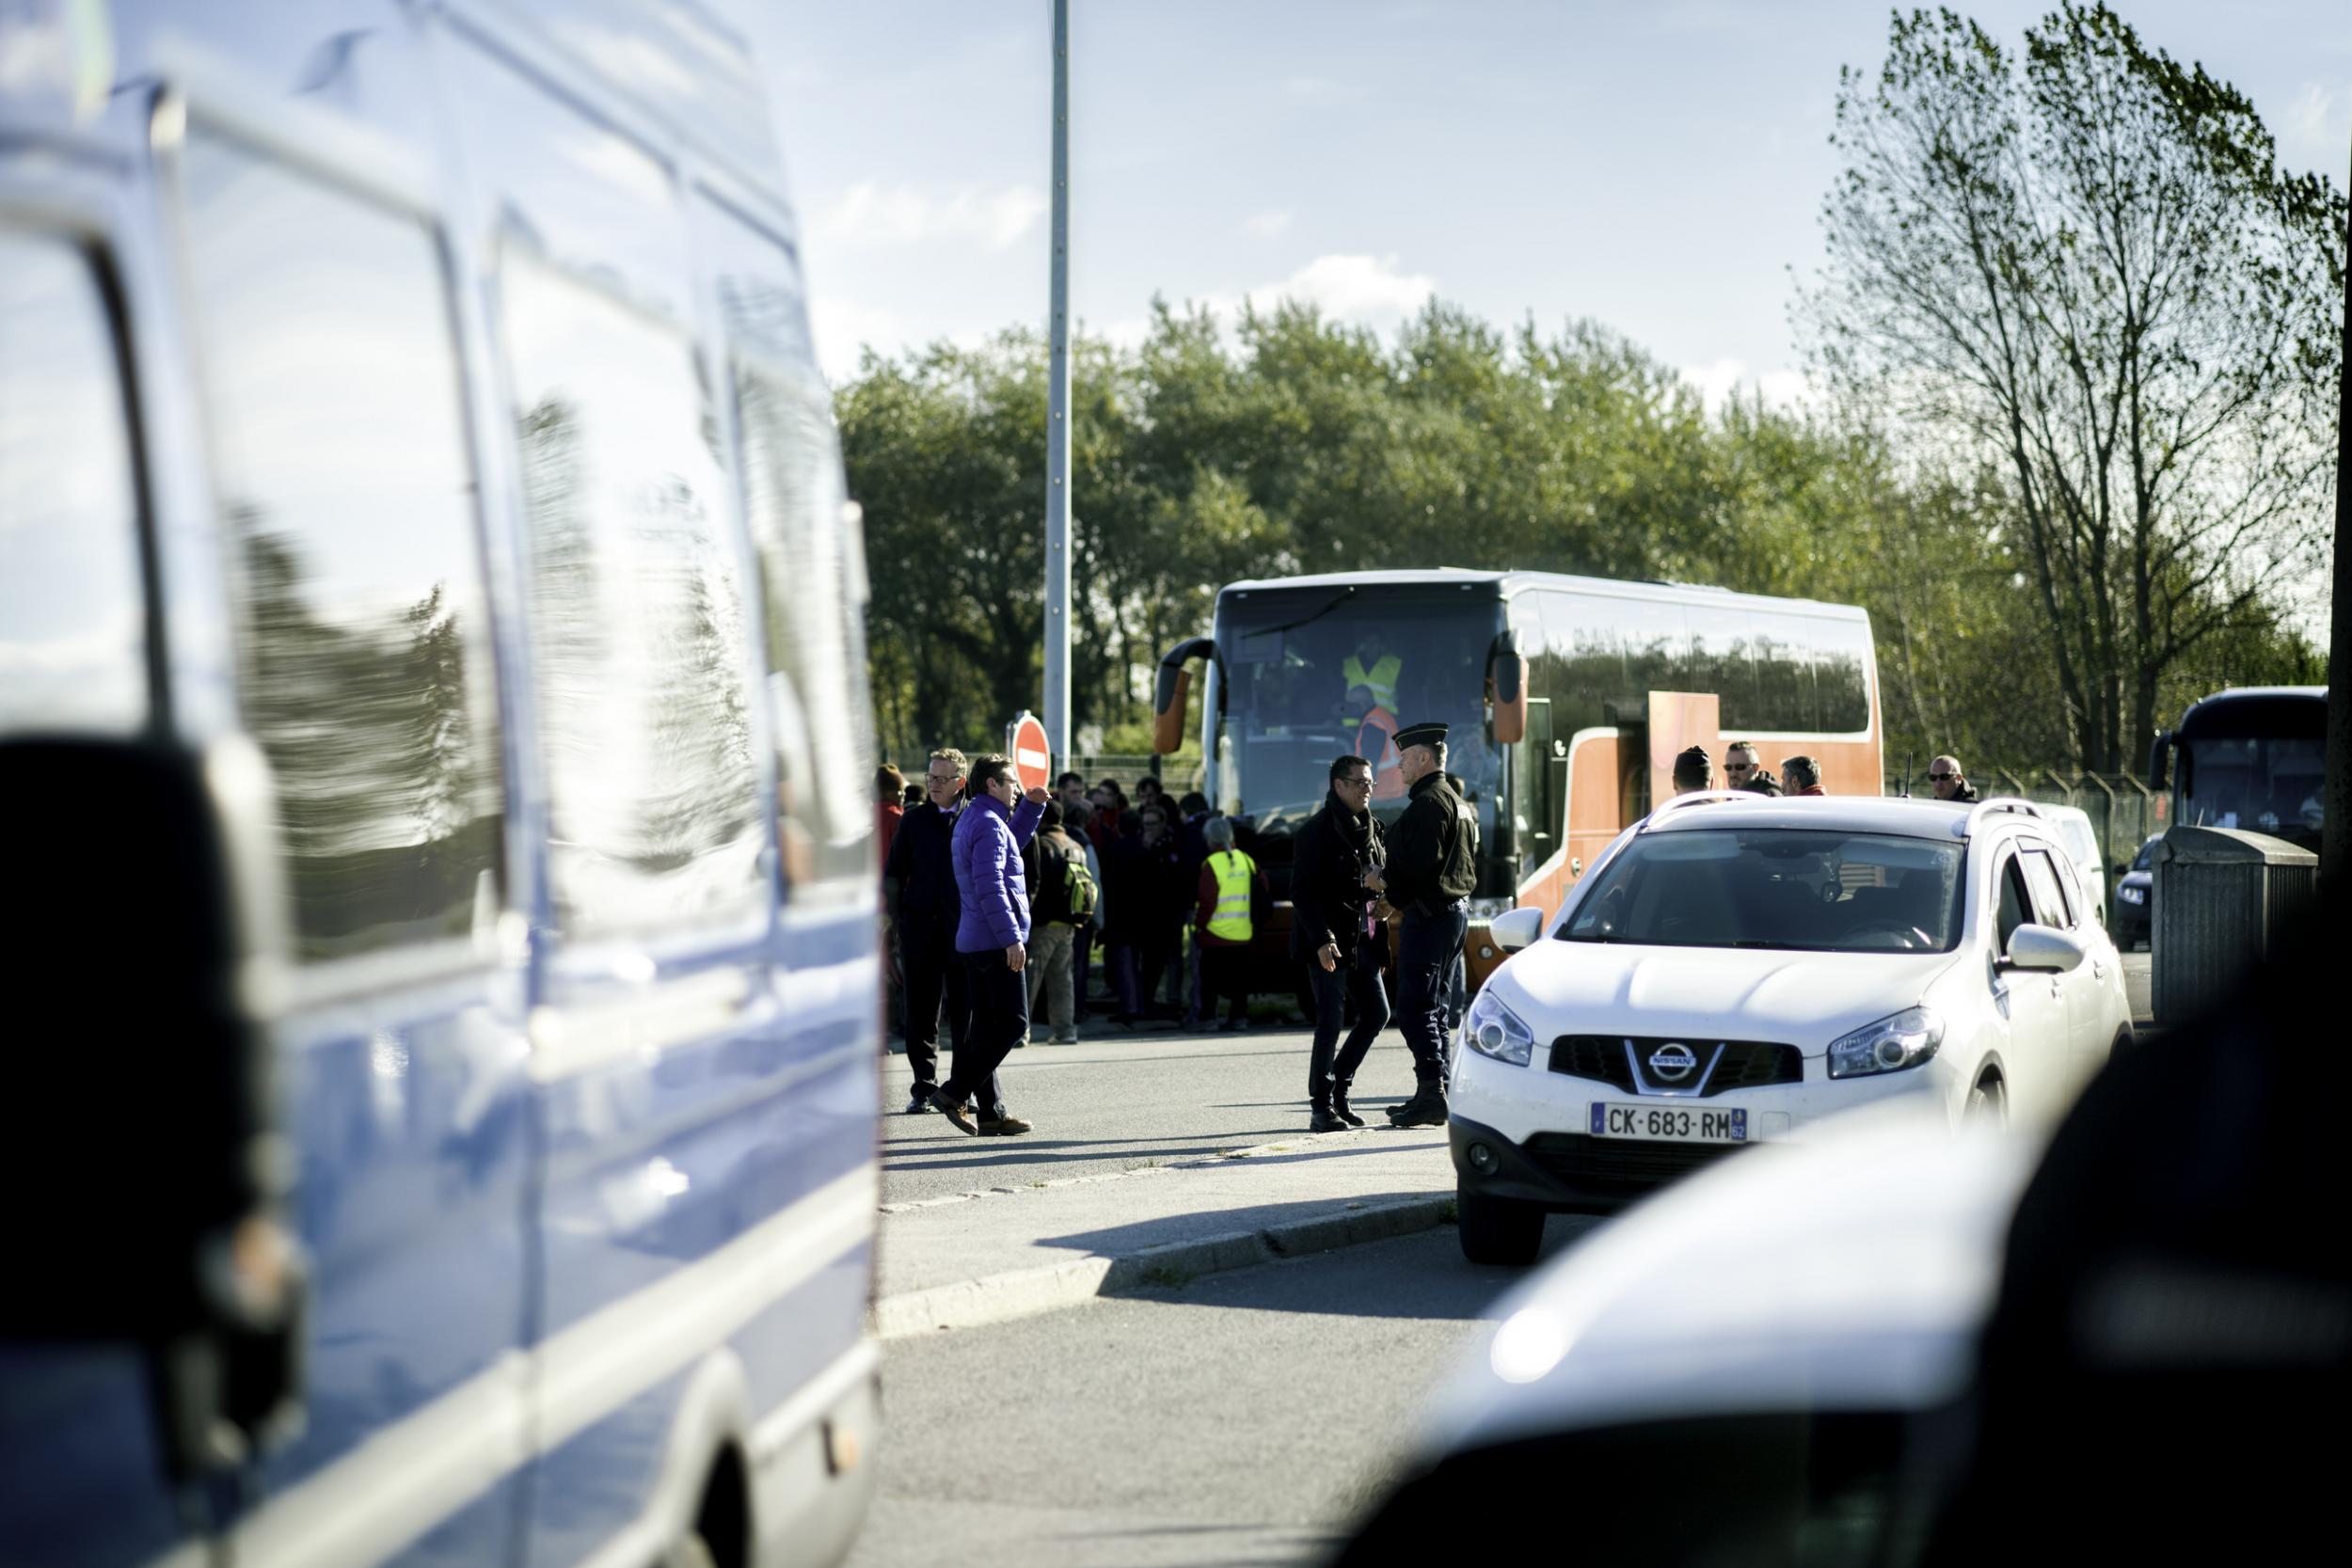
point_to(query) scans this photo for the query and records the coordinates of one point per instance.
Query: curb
(1028, 1292)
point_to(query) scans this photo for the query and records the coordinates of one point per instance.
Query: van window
(640, 649)
(2016, 903)
(73, 631)
(811, 568)
(347, 499)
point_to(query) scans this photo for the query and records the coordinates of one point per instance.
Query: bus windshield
(1312, 672)
(2267, 784)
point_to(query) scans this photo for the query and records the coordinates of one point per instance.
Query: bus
(442, 1123)
(2253, 757)
(1567, 698)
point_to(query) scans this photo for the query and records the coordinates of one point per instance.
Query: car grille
(1744, 1064)
(1593, 1056)
(1619, 1164)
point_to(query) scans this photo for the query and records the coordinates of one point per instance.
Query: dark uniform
(1433, 866)
(1329, 903)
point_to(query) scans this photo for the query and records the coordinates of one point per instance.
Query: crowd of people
(995, 897)
(1744, 770)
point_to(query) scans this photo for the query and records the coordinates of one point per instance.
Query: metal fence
(2124, 810)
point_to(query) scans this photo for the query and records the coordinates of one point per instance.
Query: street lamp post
(1057, 704)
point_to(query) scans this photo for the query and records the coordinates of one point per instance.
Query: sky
(1658, 167)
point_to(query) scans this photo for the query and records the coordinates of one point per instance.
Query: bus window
(810, 564)
(640, 650)
(1657, 648)
(1721, 659)
(346, 491)
(72, 633)
(1841, 674)
(1781, 643)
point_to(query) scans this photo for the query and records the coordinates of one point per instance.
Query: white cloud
(1264, 226)
(2314, 123)
(872, 213)
(842, 328)
(1719, 380)
(1369, 288)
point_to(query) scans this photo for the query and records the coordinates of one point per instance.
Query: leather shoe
(1340, 1109)
(919, 1102)
(1003, 1126)
(953, 1109)
(1320, 1120)
(1422, 1110)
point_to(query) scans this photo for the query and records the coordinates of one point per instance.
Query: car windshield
(1806, 889)
(2147, 856)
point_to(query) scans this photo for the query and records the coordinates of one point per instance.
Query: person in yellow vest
(1230, 884)
(1373, 668)
(1375, 742)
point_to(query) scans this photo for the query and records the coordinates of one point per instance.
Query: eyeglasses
(1942, 777)
(1355, 780)
(1739, 768)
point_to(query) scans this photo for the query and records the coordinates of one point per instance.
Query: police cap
(1420, 735)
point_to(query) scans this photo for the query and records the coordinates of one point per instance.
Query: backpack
(1068, 897)
(1079, 889)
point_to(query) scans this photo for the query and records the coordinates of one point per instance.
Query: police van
(434, 739)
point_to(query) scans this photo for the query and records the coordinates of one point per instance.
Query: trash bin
(2225, 899)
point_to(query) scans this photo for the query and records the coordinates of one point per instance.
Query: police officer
(1334, 935)
(1431, 867)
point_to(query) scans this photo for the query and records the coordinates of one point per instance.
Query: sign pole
(1058, 415)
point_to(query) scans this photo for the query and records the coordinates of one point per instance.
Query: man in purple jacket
(991, 936)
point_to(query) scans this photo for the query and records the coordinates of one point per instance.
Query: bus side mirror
(2159, 756)
(138, 1137)
(1506, 686)
(1172, 693)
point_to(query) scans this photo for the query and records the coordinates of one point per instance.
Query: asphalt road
(1152, 1095)
(1244, 1418)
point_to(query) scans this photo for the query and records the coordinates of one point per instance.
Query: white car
(1736, 968)
(1764, 1365)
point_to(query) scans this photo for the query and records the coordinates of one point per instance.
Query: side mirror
(1506, 687)
(1517, 929)
(2044, 949)
(2159, 756)
(1172, 692)
(151, 1089)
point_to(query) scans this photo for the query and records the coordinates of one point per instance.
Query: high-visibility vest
(1375, 742)
(1235, 871)
(1380, 678)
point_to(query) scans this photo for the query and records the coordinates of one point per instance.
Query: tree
(2079, 266)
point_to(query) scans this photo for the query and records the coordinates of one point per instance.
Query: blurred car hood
(1805, 998)
(1851, 1273)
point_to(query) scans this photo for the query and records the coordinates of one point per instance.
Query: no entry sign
(1025, 742)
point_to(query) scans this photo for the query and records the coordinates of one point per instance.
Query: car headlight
(1494, 1030)
(1889, 1045)
(1487, 909)
(2131, 895)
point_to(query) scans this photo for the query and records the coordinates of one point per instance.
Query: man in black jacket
(919, 890)
(1334, 934)
(1431, 867)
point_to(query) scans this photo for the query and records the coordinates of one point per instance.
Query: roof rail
(1967, 827)
(1696, 798)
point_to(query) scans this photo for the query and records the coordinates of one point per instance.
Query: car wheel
(1987, 1105)
(1497, 1230)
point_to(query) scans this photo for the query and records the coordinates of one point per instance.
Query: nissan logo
(1672, 1063)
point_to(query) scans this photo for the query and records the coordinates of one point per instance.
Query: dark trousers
(1224, 972)
(1160, 953)
(1000, 1020)
(1081, 955)
(936, 986)
(1425, 951)
(1356, 980)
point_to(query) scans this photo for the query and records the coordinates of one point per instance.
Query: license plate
(1671, 1124)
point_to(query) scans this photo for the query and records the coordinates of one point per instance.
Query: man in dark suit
(1334, 933)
